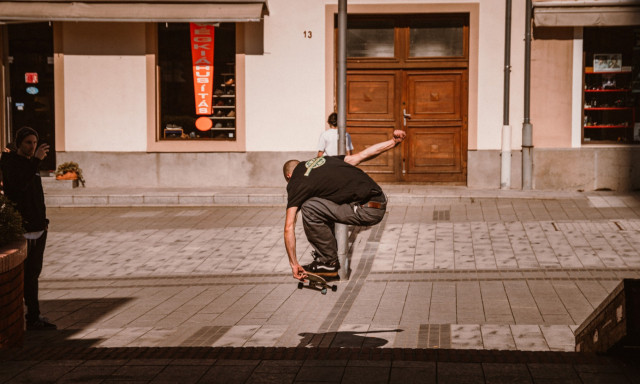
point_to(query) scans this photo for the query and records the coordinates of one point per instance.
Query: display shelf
(609, 106)
(605, 126)
(607, 90)
(608, 109)
(590, 72)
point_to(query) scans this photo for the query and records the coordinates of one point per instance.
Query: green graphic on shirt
(314, 163)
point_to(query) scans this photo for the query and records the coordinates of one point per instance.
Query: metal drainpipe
(505, 169)
(527, 128)
(341, 229)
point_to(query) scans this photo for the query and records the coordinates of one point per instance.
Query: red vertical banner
(202, 40)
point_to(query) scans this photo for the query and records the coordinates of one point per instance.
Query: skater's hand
(298, 272)
(399, 136)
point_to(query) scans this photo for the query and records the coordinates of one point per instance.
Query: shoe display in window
(218, 113)
(232, 113)
(231, 92)
(218, 125)
(228, 82)
(218, 92)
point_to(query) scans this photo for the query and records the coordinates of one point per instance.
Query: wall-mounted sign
(32, 90)
(203, 123)
(202, 40)
(31, 77)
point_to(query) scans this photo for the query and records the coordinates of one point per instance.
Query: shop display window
(611, 88)
(179, 118)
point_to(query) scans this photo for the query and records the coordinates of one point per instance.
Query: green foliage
(10, 222)
(70, 166)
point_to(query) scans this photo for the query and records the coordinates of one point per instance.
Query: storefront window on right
(611, 85)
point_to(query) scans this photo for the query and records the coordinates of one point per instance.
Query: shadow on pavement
(344, 339)
(74, 319)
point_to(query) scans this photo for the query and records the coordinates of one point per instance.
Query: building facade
(126, 89)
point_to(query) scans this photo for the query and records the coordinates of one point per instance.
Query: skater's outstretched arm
(376, 149)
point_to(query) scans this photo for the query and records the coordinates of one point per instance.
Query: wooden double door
(430, 105)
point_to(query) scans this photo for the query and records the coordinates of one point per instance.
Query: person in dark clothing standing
(329, 190)
(22, 185)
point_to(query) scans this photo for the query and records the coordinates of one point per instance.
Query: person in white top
(328, 143)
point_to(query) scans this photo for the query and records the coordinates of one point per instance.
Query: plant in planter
(69, 171)
(10, 222)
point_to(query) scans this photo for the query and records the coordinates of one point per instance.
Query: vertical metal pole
(342, 76)
(505, 169)
(527, 128)
(341, 83)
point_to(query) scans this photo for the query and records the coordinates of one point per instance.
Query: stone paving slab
(465, 274)
(218, 276)
(305, 365)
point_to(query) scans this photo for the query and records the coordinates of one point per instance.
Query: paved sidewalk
(465, 286)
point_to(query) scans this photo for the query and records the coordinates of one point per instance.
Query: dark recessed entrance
(30, 90)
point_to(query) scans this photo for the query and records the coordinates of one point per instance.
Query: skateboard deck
(318, 283)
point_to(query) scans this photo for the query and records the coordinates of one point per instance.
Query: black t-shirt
(330, 178)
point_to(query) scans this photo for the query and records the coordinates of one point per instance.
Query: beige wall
(551, 87)
(104, 86)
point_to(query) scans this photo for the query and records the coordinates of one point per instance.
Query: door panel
(434, 102)
(434, 96)
(371, 96)
(372, 116)
(435, 149)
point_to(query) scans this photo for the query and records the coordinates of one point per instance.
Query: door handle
(405, 116)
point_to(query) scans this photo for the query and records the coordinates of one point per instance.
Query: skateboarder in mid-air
(329, 190)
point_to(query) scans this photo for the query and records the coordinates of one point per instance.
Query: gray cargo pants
(320, 215)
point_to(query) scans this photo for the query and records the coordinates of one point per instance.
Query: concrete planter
(12, 258)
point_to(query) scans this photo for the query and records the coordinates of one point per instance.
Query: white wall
(285, 87)
(104, 87)
(285, 94)
(491, 73)
(105, 80)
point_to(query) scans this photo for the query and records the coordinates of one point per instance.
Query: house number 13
(307, 34)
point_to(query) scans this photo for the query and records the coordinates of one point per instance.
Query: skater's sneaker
(323, 269)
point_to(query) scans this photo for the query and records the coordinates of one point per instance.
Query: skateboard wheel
(300, 285)
(334, 288)
(324, 291)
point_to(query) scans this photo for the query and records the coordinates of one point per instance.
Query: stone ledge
(51, 184)
(12, 255)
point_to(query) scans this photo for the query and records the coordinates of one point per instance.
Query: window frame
(402, 36)
(154, 92)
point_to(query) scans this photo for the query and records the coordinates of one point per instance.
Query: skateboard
(318, 283)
